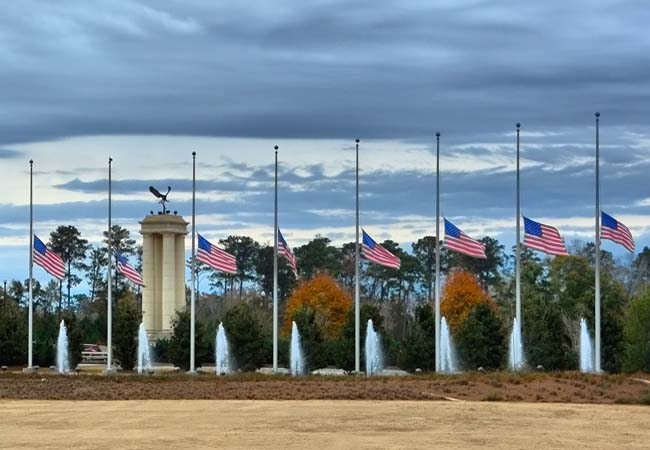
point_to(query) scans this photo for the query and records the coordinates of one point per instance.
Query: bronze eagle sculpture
(162, 197)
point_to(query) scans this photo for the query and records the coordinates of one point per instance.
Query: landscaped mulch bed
(569, 387)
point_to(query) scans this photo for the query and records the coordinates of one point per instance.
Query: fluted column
(148, 276)
(180, 272)
(168, 279)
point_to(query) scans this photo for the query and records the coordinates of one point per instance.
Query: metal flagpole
(515, 363)
(357, 311)
(275, 268)
(597, 254)
(109, 299)
(30, 334)
(193, 270)
(437, 291)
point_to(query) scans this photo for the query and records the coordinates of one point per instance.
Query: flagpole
(517, 332)
(30, 334)
(109, 298)
(357, 311)
(437, 290)
(597, 356)
(193, 270)
(275, 267)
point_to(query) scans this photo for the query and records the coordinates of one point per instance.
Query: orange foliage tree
(330, 303)
(462, 293)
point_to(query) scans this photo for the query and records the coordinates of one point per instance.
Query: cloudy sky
(148, 82)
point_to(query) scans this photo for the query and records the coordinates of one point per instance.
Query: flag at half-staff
(128, 270)
(48, 260)
(378, 254)
(545, 238)
(614, 230)
(215, 257)
(458, 241)
(285, 251)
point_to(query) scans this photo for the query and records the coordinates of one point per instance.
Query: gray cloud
(373, 69)
(319, 69)
(9, 154)
(559, 184)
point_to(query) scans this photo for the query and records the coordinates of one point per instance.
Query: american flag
(378, 254)
(458, 241)
(48, 260)
(285, 250)
(543, 237)
(614, 230)
(215, 257)
(128, 270)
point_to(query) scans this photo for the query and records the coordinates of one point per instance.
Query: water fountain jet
(221, 352)
(447, 356)
(374, 354)
(586, 348)
(144, 352)
(62, 355)
(516, 350)
(296, 360)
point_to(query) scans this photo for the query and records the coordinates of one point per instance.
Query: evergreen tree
(249, 346)
(125, 335)
(178, 350)
(637, 334)
(418, 350)
(481, 340)
(66, 240)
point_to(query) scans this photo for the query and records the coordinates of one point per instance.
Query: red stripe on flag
(465, 245)
(51, 262)
(380, 256)
(218, 259)
(621, 235)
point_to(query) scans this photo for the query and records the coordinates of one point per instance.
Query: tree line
(555, 291)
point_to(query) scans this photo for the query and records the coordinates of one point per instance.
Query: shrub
(249, 347)
(179, 343)
(418, 350)
(161, 351)
(13, 334)
(125, 335)
(311, 338)
(546, 339)
(481, 339)
(637, 335)
(46, 331)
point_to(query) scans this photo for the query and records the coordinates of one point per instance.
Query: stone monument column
(168, 280)
(148, 302)
(180, 273)
(163, 260)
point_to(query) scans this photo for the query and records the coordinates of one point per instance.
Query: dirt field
(567, 387)
(171, 425)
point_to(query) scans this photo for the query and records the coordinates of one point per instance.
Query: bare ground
(569, 387)
(232, 424)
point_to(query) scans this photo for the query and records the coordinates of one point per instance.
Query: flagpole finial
(518, 125)
(438, 134)
(356, 140)
(276, 148)
(597, 114)
(110, 160)
(31, 162)
(194, 154)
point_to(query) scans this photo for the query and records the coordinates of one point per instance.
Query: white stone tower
(163, 266)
